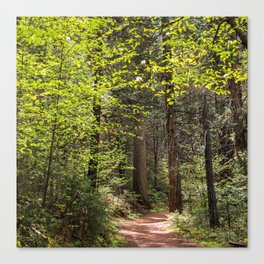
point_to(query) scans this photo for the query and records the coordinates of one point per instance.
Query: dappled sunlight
(151, 230)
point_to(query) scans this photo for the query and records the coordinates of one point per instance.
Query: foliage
(121, 205)
(231, 200)
(183, 225)
(73, 220)
(84, 84)
(158, 200)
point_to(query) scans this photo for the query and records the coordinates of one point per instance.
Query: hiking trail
(151, 230)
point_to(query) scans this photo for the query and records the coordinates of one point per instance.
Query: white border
(8, 12)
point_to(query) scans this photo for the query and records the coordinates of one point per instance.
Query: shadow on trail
(151, 230)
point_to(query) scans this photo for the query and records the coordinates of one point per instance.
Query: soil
(152, 230)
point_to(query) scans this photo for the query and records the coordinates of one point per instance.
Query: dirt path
(151, 230)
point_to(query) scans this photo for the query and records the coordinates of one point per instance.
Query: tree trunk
(175, 197)
(54, 127)
(140, 164)
(48, 174)
(175, 194)
(95, 140)
(155, 156)
(240, 142)
(212, 203)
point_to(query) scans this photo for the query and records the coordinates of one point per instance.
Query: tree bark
(155, 156)
(175, 196)
(95, 140)
(212, 203)
(140, 165)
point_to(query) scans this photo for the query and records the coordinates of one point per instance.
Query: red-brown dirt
(151, 230)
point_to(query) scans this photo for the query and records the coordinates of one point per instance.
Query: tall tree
(139, 163)
(95, 143)
(175, 196)
(212, 203)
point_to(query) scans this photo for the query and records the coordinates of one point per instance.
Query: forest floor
(151, 230)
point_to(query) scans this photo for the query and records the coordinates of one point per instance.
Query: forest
(132, 131)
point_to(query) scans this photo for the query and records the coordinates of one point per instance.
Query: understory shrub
(78, 219)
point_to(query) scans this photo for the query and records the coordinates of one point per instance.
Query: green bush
(184, 225)
(158, 200)
(121, 205)
(78, 218)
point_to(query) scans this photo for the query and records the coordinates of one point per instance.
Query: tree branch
(231, 21)
(218, 27)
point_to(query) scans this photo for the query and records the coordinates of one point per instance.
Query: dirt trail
(151, 230)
